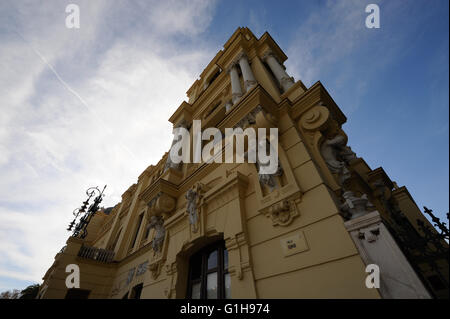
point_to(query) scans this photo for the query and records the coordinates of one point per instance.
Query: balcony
(98, 254)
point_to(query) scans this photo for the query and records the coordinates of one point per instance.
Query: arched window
(208, 273)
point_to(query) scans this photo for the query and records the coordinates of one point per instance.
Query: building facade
(313, 229)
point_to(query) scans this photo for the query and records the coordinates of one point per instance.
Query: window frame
(220, 269)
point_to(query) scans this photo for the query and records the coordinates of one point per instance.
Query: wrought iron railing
(98, 254)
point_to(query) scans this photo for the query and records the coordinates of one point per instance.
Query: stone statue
(264, 179)
(157, 222)
(269, 179)
(169, 162)
(191, 197)
(353, 206)
(347, 154)
(336, 154)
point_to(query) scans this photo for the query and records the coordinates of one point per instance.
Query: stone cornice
(256, 97)
(314, 95)
(160, 186)
(183, 112)
(380, 174)
(363, 221)
(265, 43)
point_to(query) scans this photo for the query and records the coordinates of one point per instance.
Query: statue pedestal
(377, 246)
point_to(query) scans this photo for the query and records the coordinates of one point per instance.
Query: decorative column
(278, 70)
(236, 91)
(249, 79)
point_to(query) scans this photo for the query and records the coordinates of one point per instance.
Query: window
(208, 273)
(114, 244)
(147, 232)
(138, 226)
(136, 292)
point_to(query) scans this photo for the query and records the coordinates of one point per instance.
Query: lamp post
(85, 213)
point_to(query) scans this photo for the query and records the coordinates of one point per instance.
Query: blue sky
(90, 106)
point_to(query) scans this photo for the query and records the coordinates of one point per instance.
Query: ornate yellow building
(210, 230)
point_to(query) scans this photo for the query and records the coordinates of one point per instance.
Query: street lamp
(85, 214)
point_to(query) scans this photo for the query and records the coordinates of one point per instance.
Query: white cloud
(53, 146)
(326, 37)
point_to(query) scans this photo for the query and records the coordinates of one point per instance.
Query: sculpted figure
(169, 162)
(269, 179)
(264, 178)
(157, 222)
(191, 197)
(336, 154)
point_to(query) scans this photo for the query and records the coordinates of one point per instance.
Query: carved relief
(327, 137)
(157, 222)
(249, 119)
(269, 180)
(130, 276)
(371, 235)
(142, 268)
(283, 212)
(193, 197)
(155, 269)
(315, 119)
(171, 271)
(159, 245)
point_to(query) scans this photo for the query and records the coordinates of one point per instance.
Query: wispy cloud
(84, 107)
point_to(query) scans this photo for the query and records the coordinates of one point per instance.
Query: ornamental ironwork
(85, 213)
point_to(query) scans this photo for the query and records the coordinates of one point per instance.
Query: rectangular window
(208, 273)
(138, 226)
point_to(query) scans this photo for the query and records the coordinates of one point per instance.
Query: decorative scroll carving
(354, 207)
(325, 134)
(316, 118)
